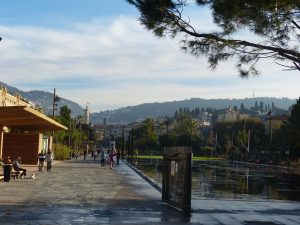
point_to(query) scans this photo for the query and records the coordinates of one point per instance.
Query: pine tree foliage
(294, 136)
(277, 23)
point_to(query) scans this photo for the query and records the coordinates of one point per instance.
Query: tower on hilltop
(86, 115)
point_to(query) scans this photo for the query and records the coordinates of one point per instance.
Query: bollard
(7, 169)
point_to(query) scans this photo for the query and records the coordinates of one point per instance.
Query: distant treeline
(258, 109)
(152, 110)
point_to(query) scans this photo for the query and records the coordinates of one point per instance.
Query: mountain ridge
(44, 100)
(151, 110)
(130, 114)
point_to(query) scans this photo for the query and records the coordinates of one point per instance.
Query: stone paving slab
(80, 192)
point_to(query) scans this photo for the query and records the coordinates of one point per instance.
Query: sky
(97, 53)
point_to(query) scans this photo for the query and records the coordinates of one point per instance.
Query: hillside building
(7, 99)
(230, 116)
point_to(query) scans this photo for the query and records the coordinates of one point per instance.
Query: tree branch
(286, 53)
(296, 24)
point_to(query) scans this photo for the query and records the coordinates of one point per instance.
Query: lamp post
(70, 133)
(269, 114)
(54, 107)
(131, 142)
(123, 141)
(270, 128)
(55, 100)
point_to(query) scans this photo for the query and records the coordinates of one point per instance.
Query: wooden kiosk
(21, 132)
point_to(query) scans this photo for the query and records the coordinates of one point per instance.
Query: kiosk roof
(28, 119)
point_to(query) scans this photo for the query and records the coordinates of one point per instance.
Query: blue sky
(97, 52)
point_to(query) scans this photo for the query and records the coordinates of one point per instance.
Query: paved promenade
(80, 192)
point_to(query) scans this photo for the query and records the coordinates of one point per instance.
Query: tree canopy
(276, 23)
(294, 137)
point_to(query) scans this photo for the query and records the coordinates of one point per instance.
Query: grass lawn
(196, 158)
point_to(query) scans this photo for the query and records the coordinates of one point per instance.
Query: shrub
(208, 151)
(61, 152)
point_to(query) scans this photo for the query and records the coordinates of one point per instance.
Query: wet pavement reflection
(80, 192)
(234, 180)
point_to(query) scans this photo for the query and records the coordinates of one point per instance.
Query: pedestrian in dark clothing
(102, 158)
(118, 157)
(84, 154)
(111, 158)
(42, 159)
(49, 159)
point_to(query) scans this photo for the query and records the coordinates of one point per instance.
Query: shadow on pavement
(104, 212)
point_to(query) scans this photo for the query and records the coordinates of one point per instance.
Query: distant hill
(151, 110)
(147, 110)
(45, 100)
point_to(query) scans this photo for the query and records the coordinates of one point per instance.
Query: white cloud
(118, 63)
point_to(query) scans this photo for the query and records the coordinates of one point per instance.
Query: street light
(55, 100)
(270, 127)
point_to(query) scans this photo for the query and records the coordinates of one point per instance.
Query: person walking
(49, 159)
(42, 159)
(95, 154)
(102, 158)
(84, 154)
(118, 157)
(111, 158)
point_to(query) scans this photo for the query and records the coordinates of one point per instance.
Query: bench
(15, 174)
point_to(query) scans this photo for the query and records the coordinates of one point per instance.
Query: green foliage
(89, 132)
(61, 152)
(185, 134)
(280, 142)
(201, 158)
(275, 22)
(65, 115)
(144, 136)
(186, 126)
(167, 140)
(77, 135)
(195, 158)
(294, 136)
(208, 151)
(233, 137)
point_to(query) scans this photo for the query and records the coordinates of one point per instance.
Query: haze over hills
(147, 110)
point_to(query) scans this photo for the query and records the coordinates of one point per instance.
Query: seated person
(17, 167)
